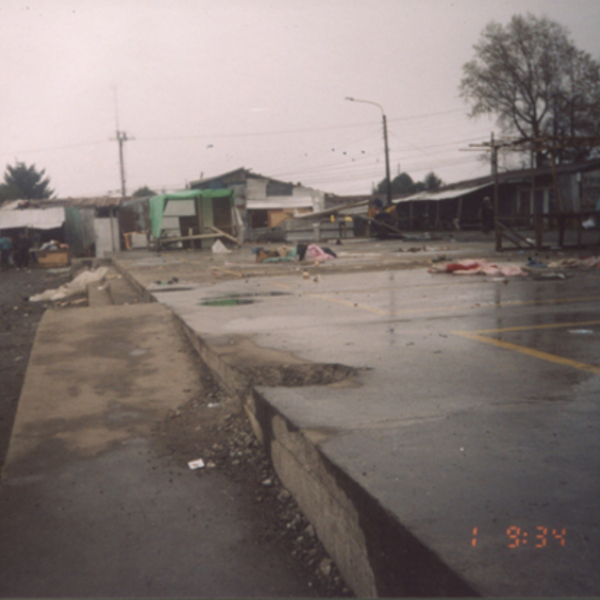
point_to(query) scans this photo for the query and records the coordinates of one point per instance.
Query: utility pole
(121, 138)
(387, 162)
(388, 181)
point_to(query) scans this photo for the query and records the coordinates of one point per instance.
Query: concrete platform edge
(376, 555)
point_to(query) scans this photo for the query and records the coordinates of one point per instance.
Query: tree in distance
(403, 184)
(24, 183)
(143, 192)
(530, 75)
(432, 182)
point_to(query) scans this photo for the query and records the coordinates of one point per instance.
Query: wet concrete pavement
(464, 450)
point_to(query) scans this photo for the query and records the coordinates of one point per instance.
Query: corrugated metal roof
(355, 208)
(440, 194)
(96, 202)
(280, 202)
(93, 202)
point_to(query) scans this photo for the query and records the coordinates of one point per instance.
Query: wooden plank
(229, 237)
(382, 223)
(516, 237)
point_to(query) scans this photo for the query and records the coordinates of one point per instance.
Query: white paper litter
(196, 464)
(219, 248)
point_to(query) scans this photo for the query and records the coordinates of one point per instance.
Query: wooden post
(538, 232)
(495, 207)
(532, 197)
(558, 199)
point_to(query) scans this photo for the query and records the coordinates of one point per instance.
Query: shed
(264, 202)
(190, 216)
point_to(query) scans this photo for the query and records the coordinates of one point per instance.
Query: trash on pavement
(77, 286)
(288, 254)
(219, 248)
(588, 262)
(536, 264)
(551, 275)
(581, 331)
(282, 254)
(196, 464)
(589, 223)
(477, 267)
(314, 252)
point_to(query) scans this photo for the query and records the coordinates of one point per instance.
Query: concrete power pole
(121, 138)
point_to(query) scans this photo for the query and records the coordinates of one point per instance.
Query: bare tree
(532, 77)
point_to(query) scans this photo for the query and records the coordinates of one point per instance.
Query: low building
(263, 202)
(90, 226)
(570, 188)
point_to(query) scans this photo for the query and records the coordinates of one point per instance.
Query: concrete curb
(376, 555)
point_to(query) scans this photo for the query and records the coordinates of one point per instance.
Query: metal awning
(46, 218)
(280, 203)
(441, 194)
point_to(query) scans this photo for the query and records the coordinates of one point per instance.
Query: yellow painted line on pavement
(450, 308)
(376, 311)
(553, 358)
(534, 327)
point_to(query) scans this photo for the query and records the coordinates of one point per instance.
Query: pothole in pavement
(238, 299)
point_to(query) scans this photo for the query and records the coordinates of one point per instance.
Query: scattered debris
(225, 440)
(477, 267)
(219, 248)
(589, 223)
(196, 464)
(535, 264)
(589, 262)
(77, 286)
(138, 352)
(550, 275)
(581, 331)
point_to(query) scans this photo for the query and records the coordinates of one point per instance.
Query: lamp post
(385, 145)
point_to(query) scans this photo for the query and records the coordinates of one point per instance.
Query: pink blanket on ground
(314, 252)
(477, 267)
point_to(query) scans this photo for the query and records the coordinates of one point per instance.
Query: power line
(55, 148)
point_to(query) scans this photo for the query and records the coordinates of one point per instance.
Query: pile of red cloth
(477, 267)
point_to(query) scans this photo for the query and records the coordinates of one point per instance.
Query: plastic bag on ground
(219, 248)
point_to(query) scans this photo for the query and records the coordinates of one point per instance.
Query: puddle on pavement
(226, 302)
(171, 289)
(238, 299)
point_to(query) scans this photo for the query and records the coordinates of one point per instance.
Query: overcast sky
(205, 87)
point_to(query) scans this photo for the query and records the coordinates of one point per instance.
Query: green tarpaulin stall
(213, 209)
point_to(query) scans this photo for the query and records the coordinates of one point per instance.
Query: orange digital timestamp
(541, 537)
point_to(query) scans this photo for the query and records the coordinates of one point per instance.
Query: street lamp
(385, 145)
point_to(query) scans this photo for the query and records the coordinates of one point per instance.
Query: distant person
(487, 215)
(6, 247)
(22, 251)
